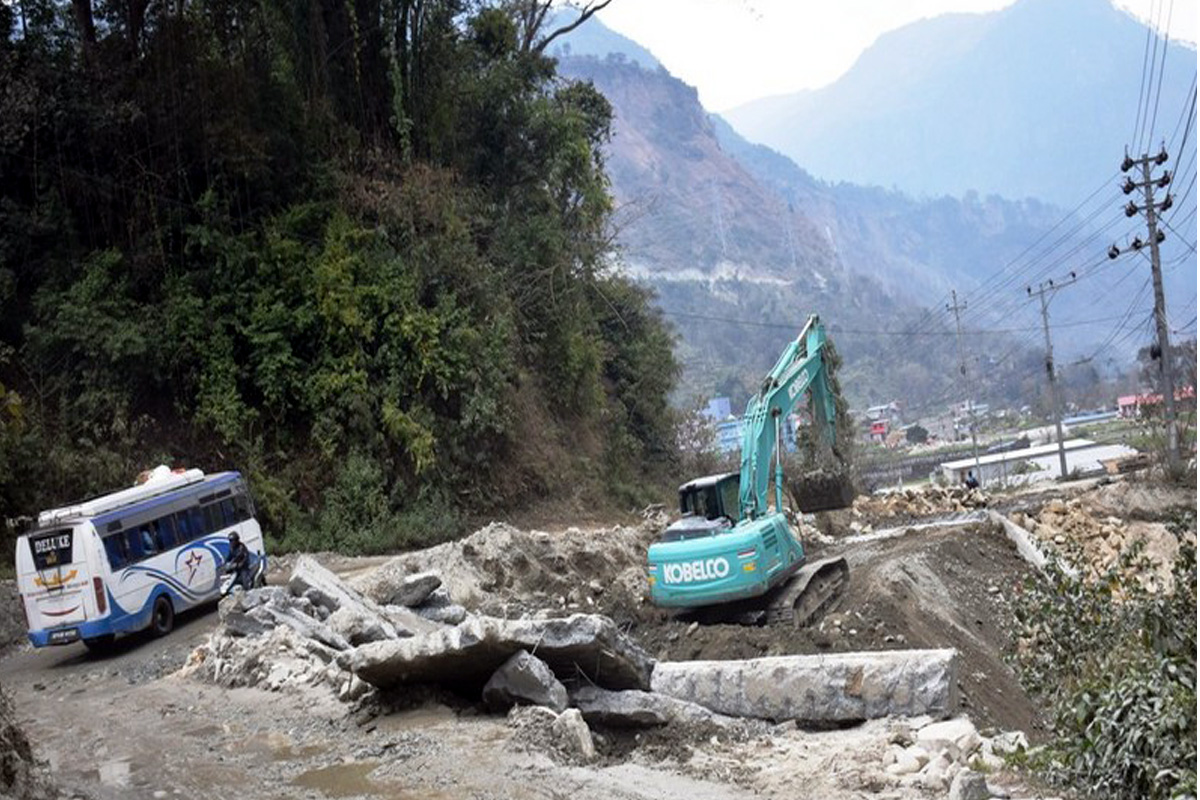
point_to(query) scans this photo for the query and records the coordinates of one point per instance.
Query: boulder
(821, 689)
(468, 654)
(968, 785)
(524, 680)
(452, 614)
(572, 734)
(633, 708)
(958, 735)
(356, 627)
(410, 590)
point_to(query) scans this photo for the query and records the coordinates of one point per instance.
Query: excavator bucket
(822, 490)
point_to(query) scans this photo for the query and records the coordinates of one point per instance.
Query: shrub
(1117, 664)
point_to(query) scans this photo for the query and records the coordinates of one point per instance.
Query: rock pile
(1068, 527)
(319, 631)
(915, 503)
(939, 756)
(506, 572)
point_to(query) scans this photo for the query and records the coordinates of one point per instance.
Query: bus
(131, 560)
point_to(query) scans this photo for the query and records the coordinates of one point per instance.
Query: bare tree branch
(535, 16)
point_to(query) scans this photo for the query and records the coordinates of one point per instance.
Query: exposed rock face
(632, 708)
(834, 688)
(468, 654)
(524, 679)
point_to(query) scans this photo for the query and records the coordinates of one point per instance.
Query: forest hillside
(355, 250)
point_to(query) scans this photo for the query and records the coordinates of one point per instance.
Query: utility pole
(1166, 378)
(962, 369)
(1044, 288)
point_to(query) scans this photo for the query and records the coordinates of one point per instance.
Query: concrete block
(819, 689)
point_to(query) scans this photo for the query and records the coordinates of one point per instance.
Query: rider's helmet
(234, 538)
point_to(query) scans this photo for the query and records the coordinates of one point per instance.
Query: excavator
(732, 555)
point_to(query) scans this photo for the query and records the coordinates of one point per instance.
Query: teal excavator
(731, 554)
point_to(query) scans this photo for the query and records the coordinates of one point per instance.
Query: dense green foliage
(357, 250)
(1116, 664)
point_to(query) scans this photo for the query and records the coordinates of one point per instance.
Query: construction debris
(633, 708)
(824, 689)
(923, 502)
(524, 680)
(467, 654)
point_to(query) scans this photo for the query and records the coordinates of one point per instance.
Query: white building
(1034, 463)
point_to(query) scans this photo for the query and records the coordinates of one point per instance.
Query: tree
(916, 435)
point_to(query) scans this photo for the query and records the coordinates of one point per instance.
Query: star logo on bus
(193, 561)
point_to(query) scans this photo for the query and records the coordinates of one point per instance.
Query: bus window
(182, 528)
(196, 521)
(164, 532)
(118, 553)
(241, 504)
(212, 518)
(146, 536)
(228, 512)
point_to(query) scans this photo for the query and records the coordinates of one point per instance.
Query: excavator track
(809, 593)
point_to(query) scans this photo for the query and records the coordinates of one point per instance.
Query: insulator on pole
(1127, 163)
(1128, 186)
(1114, 251)
(1131, 209)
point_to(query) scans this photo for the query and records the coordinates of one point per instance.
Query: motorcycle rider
(239, 561)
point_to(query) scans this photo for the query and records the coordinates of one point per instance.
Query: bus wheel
(164, 616)
(100, 644)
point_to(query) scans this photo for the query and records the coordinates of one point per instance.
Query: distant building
(1134, 405)
(718, 409)
(1034, 463)
(889, 411)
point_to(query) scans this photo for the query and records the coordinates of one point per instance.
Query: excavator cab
(707, 506)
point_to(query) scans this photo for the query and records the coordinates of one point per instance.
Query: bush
(1117, 665)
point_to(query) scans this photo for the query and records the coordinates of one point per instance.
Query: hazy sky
(734, 51)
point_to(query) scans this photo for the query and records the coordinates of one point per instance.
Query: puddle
(416, 719)
(341, 780)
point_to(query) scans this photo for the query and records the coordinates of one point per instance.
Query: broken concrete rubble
(633, 708)
(822, 689)
(524, 679)
(311, 580)
(410, 590)
(582, 644)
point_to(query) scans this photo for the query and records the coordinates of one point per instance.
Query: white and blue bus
(130, 560)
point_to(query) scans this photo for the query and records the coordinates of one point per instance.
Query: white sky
(734, 51)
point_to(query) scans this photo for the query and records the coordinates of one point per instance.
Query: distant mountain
(740, 244)
(593, 38)
(1035, 100)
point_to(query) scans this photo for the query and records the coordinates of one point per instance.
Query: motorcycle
(258, 576)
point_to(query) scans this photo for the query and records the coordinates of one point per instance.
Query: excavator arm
(801, 367)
